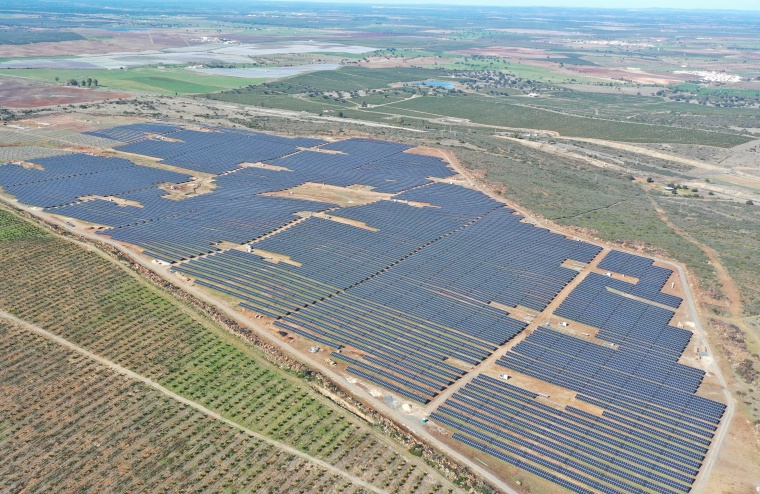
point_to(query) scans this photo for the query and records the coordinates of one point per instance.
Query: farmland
(84, 298)
(150, 80)
(102, 430)
(509, 113)
(20, 93)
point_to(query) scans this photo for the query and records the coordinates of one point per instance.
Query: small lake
(270, 72)
(447, 85)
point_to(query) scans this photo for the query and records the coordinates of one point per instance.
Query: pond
(447, 85)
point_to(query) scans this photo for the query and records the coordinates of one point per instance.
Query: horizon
(731, 5)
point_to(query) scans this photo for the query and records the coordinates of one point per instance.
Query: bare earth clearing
(17, 93)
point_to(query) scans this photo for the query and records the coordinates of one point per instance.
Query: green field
(647, 109)
(509, 113)
(345, 79)
(151, 80)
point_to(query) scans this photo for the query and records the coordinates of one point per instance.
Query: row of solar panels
(506, 418)
(654, 430)
(63, 179)
(621, 318)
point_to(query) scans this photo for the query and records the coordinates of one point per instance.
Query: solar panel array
(623, 320)
(383, 174)
(133, 132)
(268, 288)
(653, 431)
(216, 151)
(624, 371)
(411, 301)
(500, 259)
(175, 230)
(27, 153)
(196, 232)
(651, 278)
(64, 179)
(379, 164)
(579, 450)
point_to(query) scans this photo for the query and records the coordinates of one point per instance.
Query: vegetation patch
(12, 227)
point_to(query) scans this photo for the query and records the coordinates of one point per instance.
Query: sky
(623, 4)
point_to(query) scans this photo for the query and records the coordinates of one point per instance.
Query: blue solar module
(414, 289)
(624, 263)
(214, 151)
(134, 132)
(651, 278)
(209, 221)
(64, 179)
(625, 321)
(369, 147)
(516, 426)
(647, 381)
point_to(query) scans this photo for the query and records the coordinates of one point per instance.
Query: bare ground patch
(196, 187)
(114, 42)
(16, 93)
(343, 196)
(118, 200)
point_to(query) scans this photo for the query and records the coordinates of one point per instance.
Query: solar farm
(428, 290)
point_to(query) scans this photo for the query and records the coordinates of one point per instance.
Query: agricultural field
(21, 93)
(508, 114)
(616, 117)
(149, 80)
(81, 296)
(102, 430)
(346, 79)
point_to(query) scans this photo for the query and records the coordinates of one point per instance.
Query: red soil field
(20, 94)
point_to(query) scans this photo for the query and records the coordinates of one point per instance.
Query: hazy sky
(675, 4)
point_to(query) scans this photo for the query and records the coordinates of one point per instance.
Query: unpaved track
(648, 152)
(133, 375)
(723, 428)
(728, 285)
(735, 307)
